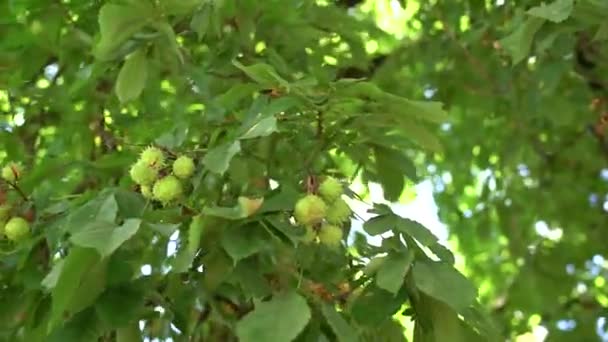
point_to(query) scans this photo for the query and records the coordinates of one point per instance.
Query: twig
(19, 191)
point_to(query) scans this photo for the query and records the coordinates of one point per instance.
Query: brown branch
(18, 190)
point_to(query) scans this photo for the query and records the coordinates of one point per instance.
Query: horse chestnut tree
(191, 169)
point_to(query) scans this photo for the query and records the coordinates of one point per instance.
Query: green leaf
(130, 333)
(132, 76)
(218, 266)
(78, 284)
(106, 237)
(83, 327)
(118, 306)
(380, 224)
(602, 33)
(391, 274)
(431, 111)
(264, 324)
(395, 160)
(446, 325)
(51, 278)
(420, 135)
(390, 172)
(375, 305)
(443, 282)
(218, 158)
(397, 106)
(187, 253)
(230, 213)
(179, 7)
(261, 128)
(165, 229)
(557, 11)
(442, 252)
(416, 230)
(108, 209)
(101, 208)
(253, 282)
(389, 331)
(283, 198)
(519, 42)
(170, 39)
(118, 23)
(343, 331)
(130, 204)
(201, 20)
(244, 241)
(263, 74)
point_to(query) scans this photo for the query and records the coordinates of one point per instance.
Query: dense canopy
(194, 170)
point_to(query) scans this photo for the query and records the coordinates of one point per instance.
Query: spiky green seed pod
(338, 212)
(17, 229)
(183, 167)
(310, 210)
(146, 191)
(330, 235)
(12, 172)
(167, 189)
(309, 236)
(143, 174)
(330, 189)
(153, 156)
